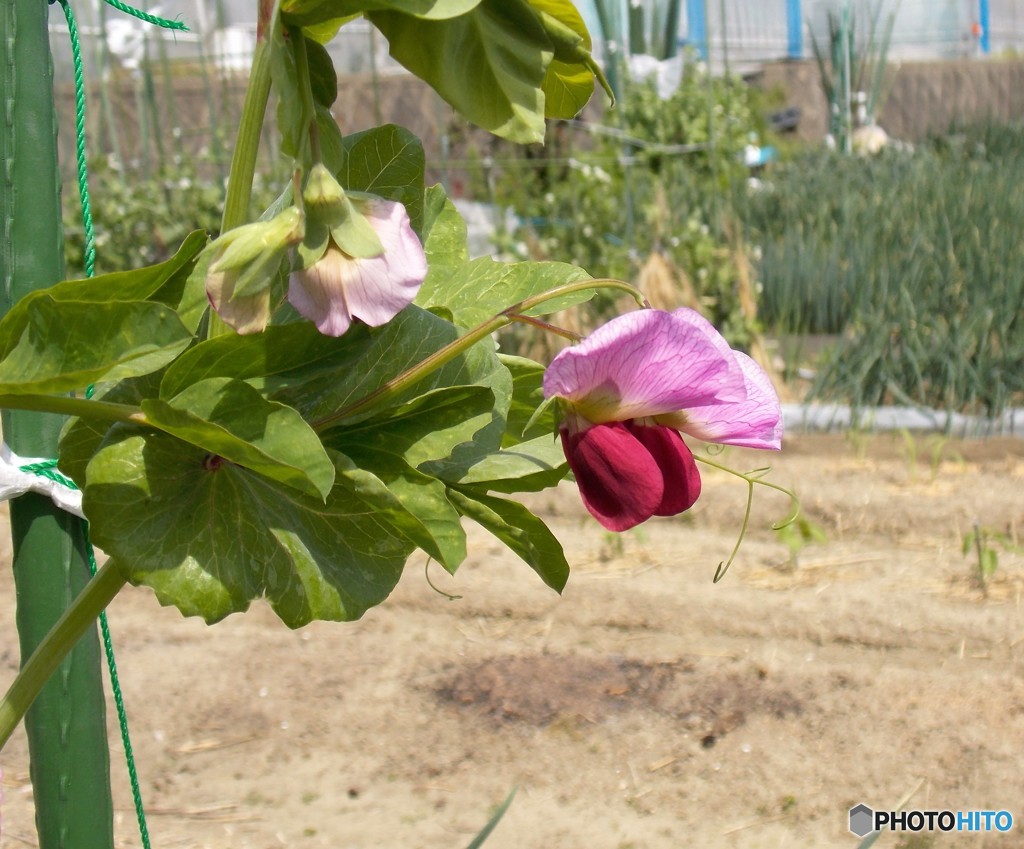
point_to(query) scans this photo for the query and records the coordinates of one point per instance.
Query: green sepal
(330, 214)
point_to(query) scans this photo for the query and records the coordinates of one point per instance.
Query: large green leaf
(405, 341)
(277, 350)
(230, 419)
(386, 161)
(527, 467)
(427, 428)
(476, 290)
(425, 497)
(54, 345)
(162, 283)
(309, 12)
(82, 437)
(520, 530)
(210, 538)
(488, 63)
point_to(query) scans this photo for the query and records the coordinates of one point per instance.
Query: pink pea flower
(338, 288)
(630, 387)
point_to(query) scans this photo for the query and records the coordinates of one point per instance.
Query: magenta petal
(619, 481)
(753, 423)
(678, 468)
(644, 364)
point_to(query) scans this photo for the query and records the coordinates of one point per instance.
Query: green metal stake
(66, 726)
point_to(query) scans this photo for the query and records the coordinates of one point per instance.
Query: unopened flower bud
(244, 265)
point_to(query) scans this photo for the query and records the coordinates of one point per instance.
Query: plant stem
(247, 145)
(453, 349)
(67, 405)
(61, 639)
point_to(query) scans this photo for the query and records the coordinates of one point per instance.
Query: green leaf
(293, 116)
(527, 467)
(81, 437)
(308, 12)
(428, 428)
(277, 350)
(569, 82)
(387, 161)
(162, 283)
(489, 63)
(322, 77)
(520, 530)
(49, 345)
(492, 823)
(425, 497)
(211, 538)
(527, 397)
(477, 290)
(444, 230)
(376, 358)
(230, 419)
(567, 89)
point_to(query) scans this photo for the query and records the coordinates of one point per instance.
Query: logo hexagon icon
(862, 819)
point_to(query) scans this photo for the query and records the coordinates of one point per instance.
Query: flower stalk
(247, 144)
(459, 346)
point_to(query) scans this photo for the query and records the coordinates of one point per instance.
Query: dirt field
(646, 707)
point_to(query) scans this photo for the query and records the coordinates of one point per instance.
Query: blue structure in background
(983, 21)
(795, 29)
(697, 27)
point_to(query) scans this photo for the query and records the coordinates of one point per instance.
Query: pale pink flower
(630, 387)
(338, 288)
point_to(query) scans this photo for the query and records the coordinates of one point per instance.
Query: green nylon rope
(48, 468)
(83, 169)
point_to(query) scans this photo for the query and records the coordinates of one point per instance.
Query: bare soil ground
(646, 707)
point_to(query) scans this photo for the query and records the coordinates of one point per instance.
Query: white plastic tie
(15, 482)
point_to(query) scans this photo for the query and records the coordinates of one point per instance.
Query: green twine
(143, 16)
(83, 168)
(48, 468)
(82, 164)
